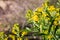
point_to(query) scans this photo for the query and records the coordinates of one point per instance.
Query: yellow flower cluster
(1, 33)
(15, 28)
(40, 9)
(45, 20)
(15, 34)
(44, 5)
(45, 31)
(12, 37)
(19, 38)
(46, 12)
(47, 17)
(50, 36)
(51, 8)
(24, 33)
(57, 21)
(35, 18)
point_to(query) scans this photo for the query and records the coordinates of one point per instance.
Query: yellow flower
(48, 18)
(35, 18)
(51, 8)
(1, 33)
(59, 18)
(57, 14)
(6, 38)
(56, 19)
(57, 9)
(19, 38)
(50, 36)
(16, 24)
(46, 32)
(24, 33)
(13, 31)
(55, 23)
(45, 5)
(40, 9)
(44, 15)
(12, 36)
(35, 13)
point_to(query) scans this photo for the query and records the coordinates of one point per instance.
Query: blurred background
(13, 11)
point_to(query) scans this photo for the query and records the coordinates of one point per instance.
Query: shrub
(45, 21)
(16, 33)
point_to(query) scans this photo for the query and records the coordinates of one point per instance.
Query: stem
(50, 25)
(55, 30)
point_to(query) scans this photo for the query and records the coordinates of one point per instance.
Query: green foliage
(58, 4)
(45, 21)
(16, 33)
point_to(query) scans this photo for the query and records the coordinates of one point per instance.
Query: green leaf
(58, 32)
(28, 29)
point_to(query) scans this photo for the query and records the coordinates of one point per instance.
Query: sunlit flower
(55, 23)
(50, 36)
(24, 33)
(45, 5)
(19, 38)
(35, 18)
(57, 9)
(1, 34)
(44, 14)
(15, 29)
(6, 38)
(57, 14)
(12, 37)
(16, 24)
(48, 18)
(56, 19)
(40, 9)
(35, 13)
(46, 32)
(51, 8)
